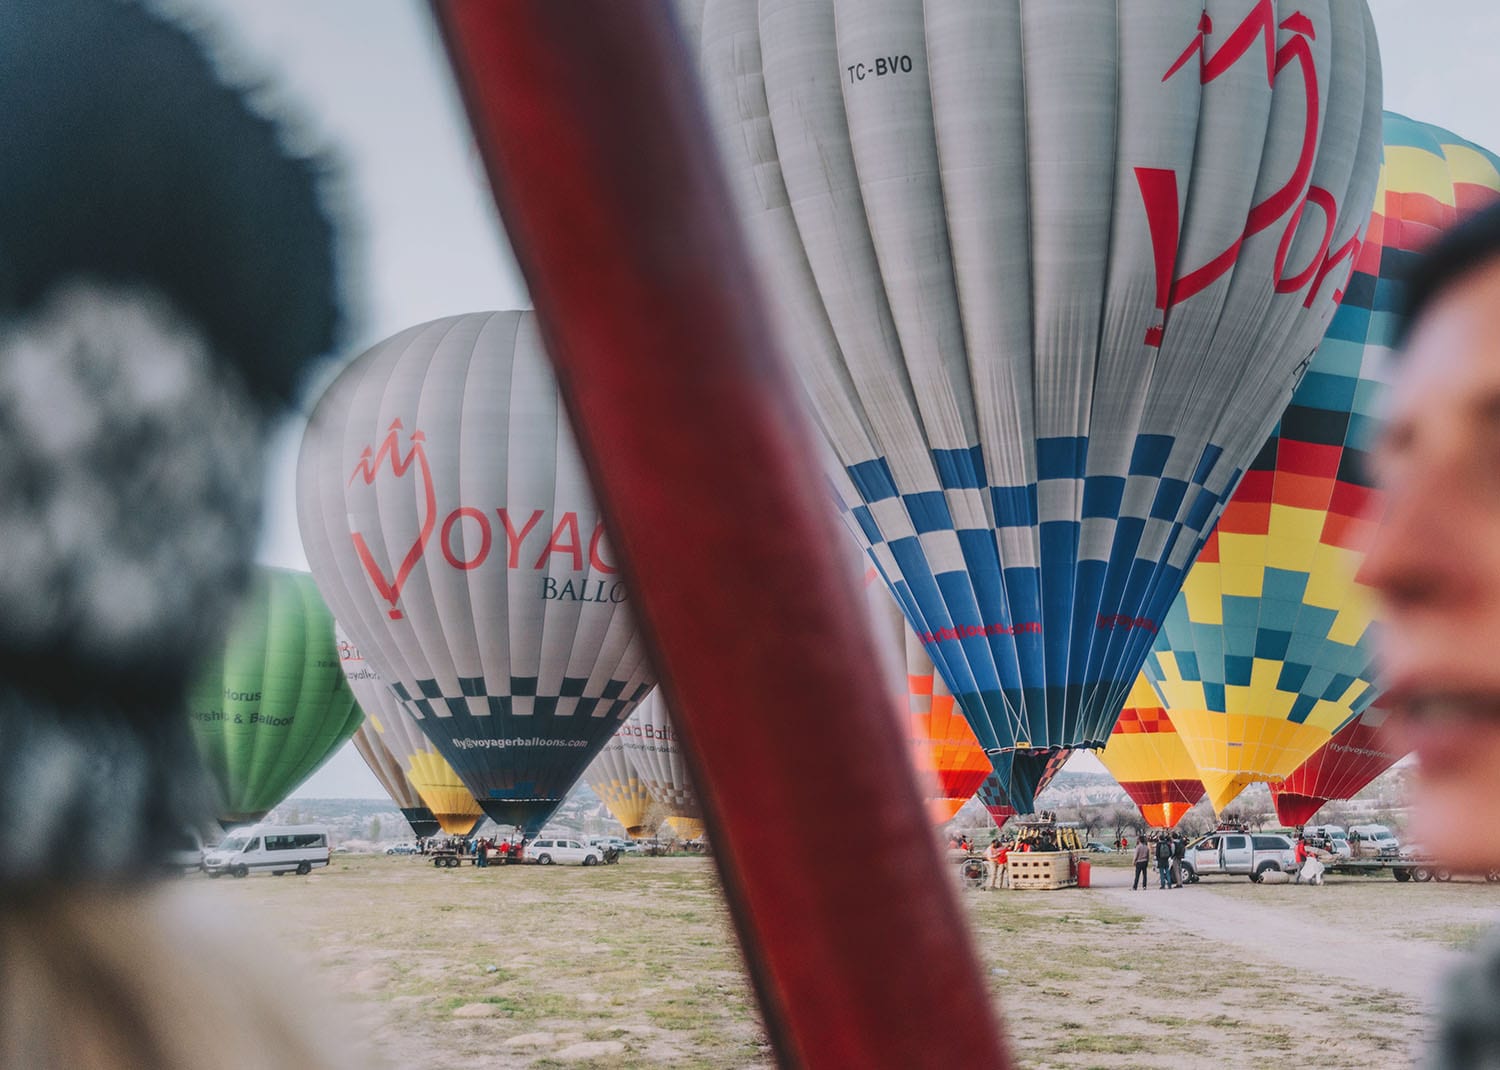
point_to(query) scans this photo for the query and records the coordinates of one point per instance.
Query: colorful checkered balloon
(1267, 652)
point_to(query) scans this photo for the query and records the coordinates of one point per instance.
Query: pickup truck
(1246, 854)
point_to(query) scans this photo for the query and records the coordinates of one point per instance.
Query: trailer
(1422, 870)
(1417, 868)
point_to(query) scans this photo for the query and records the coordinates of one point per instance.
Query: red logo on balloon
(1159, 190)
(369, 466)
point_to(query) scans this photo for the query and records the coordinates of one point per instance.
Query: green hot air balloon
(274, 705)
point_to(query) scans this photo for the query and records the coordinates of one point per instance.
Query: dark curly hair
(128, 161)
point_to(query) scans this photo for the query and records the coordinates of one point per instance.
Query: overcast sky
(366, 79)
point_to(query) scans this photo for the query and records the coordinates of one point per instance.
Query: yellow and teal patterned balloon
(1267, 652)
(274, 705)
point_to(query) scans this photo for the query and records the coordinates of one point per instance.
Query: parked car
(605, 842)
(1099, 848)
(402, 849)
(545, 852)
(1239, 854)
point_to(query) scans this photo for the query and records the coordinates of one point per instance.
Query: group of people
(481, 850)
(996, 857)
(1169, 849)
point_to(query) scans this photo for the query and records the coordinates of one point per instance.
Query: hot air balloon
(448, 521)
(947, 755)
(991, 793)
(1150, 762)
(387, 770)
(1050, 271)
(613, 778)
(1358, 753)
(442, 801)
(1268, 651)
(274, 705)
(652, 748)
(943, 744)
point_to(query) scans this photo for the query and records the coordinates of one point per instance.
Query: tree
(1092, 819)
(1198, 821)
(374, 829)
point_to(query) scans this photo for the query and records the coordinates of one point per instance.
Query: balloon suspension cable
(596, 142)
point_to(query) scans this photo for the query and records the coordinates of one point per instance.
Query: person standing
(1179, 851)
(994, 863)
(1142, 865)
(1164, 860)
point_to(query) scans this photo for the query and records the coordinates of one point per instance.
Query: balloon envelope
(1148, 759)
(386, 769)
(949, 759)
(1358, 753)
(612, 777)
(447, 518)
(1268, 651)
(991, 793)
(1050, 270)
(274, 705)
(943, 744)
(448, 804)
(651, 746)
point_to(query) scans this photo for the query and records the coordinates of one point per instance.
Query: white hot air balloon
(1050, 269)
(613, 778)
(651, 744)
(442, 799)
(448, 520)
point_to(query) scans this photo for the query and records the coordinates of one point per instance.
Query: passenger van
(1374, 841)
(275, 849)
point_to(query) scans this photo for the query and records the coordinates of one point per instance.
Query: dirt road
(1264, 923)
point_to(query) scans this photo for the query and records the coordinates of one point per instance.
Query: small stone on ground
(590, 1049)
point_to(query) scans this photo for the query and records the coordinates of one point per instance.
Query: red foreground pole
(600, 155)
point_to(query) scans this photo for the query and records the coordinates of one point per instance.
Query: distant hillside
(379, 821)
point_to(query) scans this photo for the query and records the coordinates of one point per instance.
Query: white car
(547, 851)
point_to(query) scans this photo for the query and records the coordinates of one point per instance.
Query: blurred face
(1436, 564)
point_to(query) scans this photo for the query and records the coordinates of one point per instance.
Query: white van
(1373, 841)
(274, 849)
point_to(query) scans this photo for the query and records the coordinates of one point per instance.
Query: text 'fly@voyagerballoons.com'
(516, 741)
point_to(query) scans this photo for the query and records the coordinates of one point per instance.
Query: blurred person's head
(167, 270)
(1435, 559)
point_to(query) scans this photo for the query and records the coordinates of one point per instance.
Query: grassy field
(634, 965)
